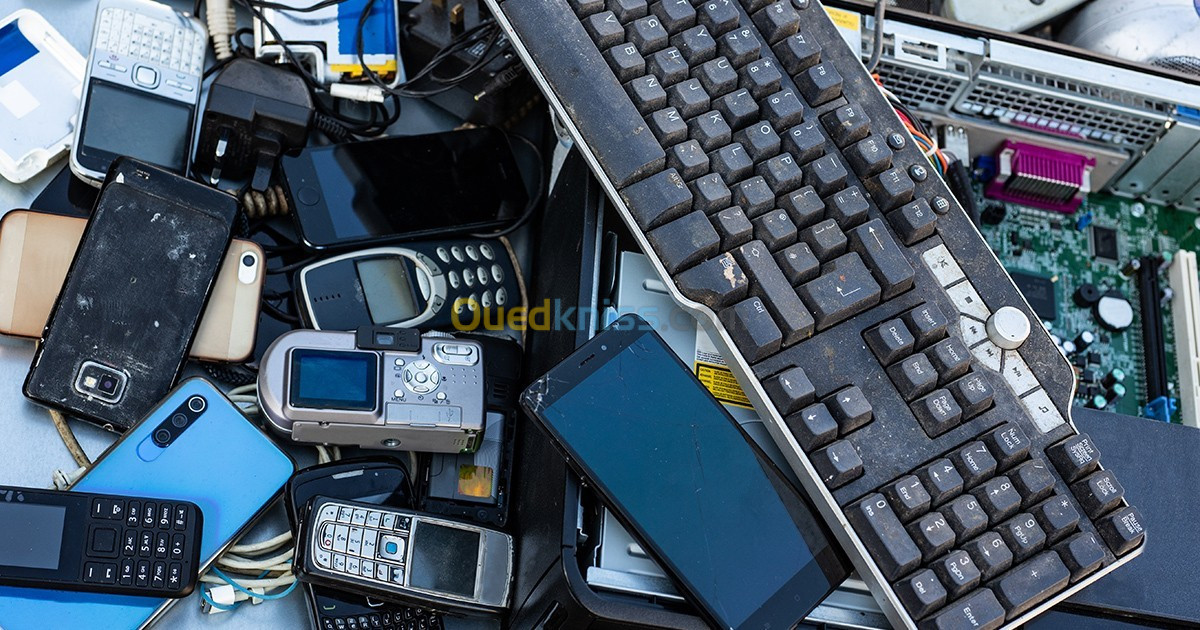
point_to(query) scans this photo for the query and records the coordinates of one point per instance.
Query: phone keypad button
(341, 537)
(161, 544)
(159, 577)
(148, 514)
(129, 543)
(443, 254)
(497, 273)
(501, 296)
(146, 545)
(487, 251)
(133, 514)
(344, 515)
(382, 571)
(398, 575)
(481, 274)
(174, 575)
(472, 252)
(339, 563)
(452, 278)
(368, 544)
(177, 547)
(352, 566)
(104, 542)
(181, 520)
(457, 252)
(354, 546)
(373, 519)
(126, 578)
(164, 516)
(388, 521)
(324, 558)
(142, 577)
(358, 517)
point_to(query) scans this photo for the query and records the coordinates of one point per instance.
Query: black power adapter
(254, 113)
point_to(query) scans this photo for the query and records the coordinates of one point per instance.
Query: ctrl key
(979, 611)
(752, 329)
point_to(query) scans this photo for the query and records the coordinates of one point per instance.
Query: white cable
(240, 563)
(222, 22)
(265, 583)
(357, 92)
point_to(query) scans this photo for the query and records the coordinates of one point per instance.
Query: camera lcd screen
(332, 379)
(35, 534)
(444, 559)
(125, 121)
(389, 288)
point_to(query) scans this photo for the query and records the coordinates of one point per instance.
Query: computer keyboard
(919, 400)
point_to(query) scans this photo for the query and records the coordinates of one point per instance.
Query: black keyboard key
(1075, 457)
(913, 377)
(941, 480)
(813, 427)
(647, 34)
(760, 77)
(826, 174)
(584, 8)
(846, 124)
(783, 109)
(973, 394)
(798, 53)
(950, 358)
(647, 94)
(1031, 583)
(998, 497)
(739, 108)
(752, 329)
(804, 142)
(769, 283)
(754, 196)
(869, 156)
(957, 573)
(731, 162)
(1023, 536)
(927, 322)
(1032, 480)
(884, 536)
(668, 65)
(1122, 531)
(626, 62)
(760, 140)
(1099, 493)
(890, 341)
(891, 189)
(715, 283)
(782, 173)
(907, 497)
(709, 193)
(720, 16)
(675, 15)
(932, 534)
(974, 463)
(689, 97)
(740, 45)
(837, 464)
(685, 241)
(826, 240)
(913, 221)
(921, 593)
(695, 44)
(604, 28)
(966, 516)
(628, 10)
(804, 206)
(798, 263)
(888, 264)
(777, 21)
(790, 390)
(848, 207)
(600, 108)
(717, 76)
(658, 199)
(668, 126)
(977, 611)
(820, 84)
(1082, 554)
(989, 553)
(937, 413)
(1056, 516)
(775, 230)
(840, 293)
(1008, 445)
(850, 408)
(733, 227)
(689, 159)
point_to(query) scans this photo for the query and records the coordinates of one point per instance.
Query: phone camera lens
(162, 436)
(196, 404)
(179, 420)
(248, 260)
(108, 385)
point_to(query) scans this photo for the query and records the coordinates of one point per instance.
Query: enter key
(844, 290)
(873, 241)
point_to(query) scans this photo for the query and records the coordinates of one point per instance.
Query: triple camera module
(179, 421)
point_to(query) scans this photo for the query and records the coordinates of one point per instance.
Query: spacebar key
(598, 105)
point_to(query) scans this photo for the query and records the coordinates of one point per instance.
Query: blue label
(378, 33)
(14, 48)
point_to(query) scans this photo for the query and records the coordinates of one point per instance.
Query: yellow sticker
(723, 385)
(845, 19)
(475, 481)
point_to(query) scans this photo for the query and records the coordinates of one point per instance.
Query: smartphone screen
(381, 190)
(674, 466)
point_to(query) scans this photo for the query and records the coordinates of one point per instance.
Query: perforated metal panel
(921, 88)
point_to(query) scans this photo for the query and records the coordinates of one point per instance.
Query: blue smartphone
(195, 446)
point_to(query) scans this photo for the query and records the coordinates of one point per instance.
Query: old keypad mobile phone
(101, 543)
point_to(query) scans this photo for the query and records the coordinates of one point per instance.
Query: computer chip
(1039, 292)
(1104, 243)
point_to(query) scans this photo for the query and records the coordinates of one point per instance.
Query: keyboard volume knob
(1008, 327)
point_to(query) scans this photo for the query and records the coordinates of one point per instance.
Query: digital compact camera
(379, 388)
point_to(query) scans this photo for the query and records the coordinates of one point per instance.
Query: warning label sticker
(723, 385)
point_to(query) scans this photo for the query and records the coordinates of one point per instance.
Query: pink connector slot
(1040, 177)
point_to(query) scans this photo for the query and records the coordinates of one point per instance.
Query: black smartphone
(392, 189)
(686, 480)
(120, 330)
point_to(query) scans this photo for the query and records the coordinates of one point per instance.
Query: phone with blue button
(195, 446)
(142, 88)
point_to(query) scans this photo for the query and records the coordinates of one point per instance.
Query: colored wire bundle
(918, 130)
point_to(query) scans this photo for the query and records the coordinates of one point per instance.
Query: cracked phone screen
(671, 462)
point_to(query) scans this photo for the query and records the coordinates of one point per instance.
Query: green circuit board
(1051, 254)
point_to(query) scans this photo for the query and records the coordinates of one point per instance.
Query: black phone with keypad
(99, 543)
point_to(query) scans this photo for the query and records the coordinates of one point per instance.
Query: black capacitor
(1084, 339)
(993, 214)
(1115, 376)
(1116, 392)
(1131, 268)
(1087, 295)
